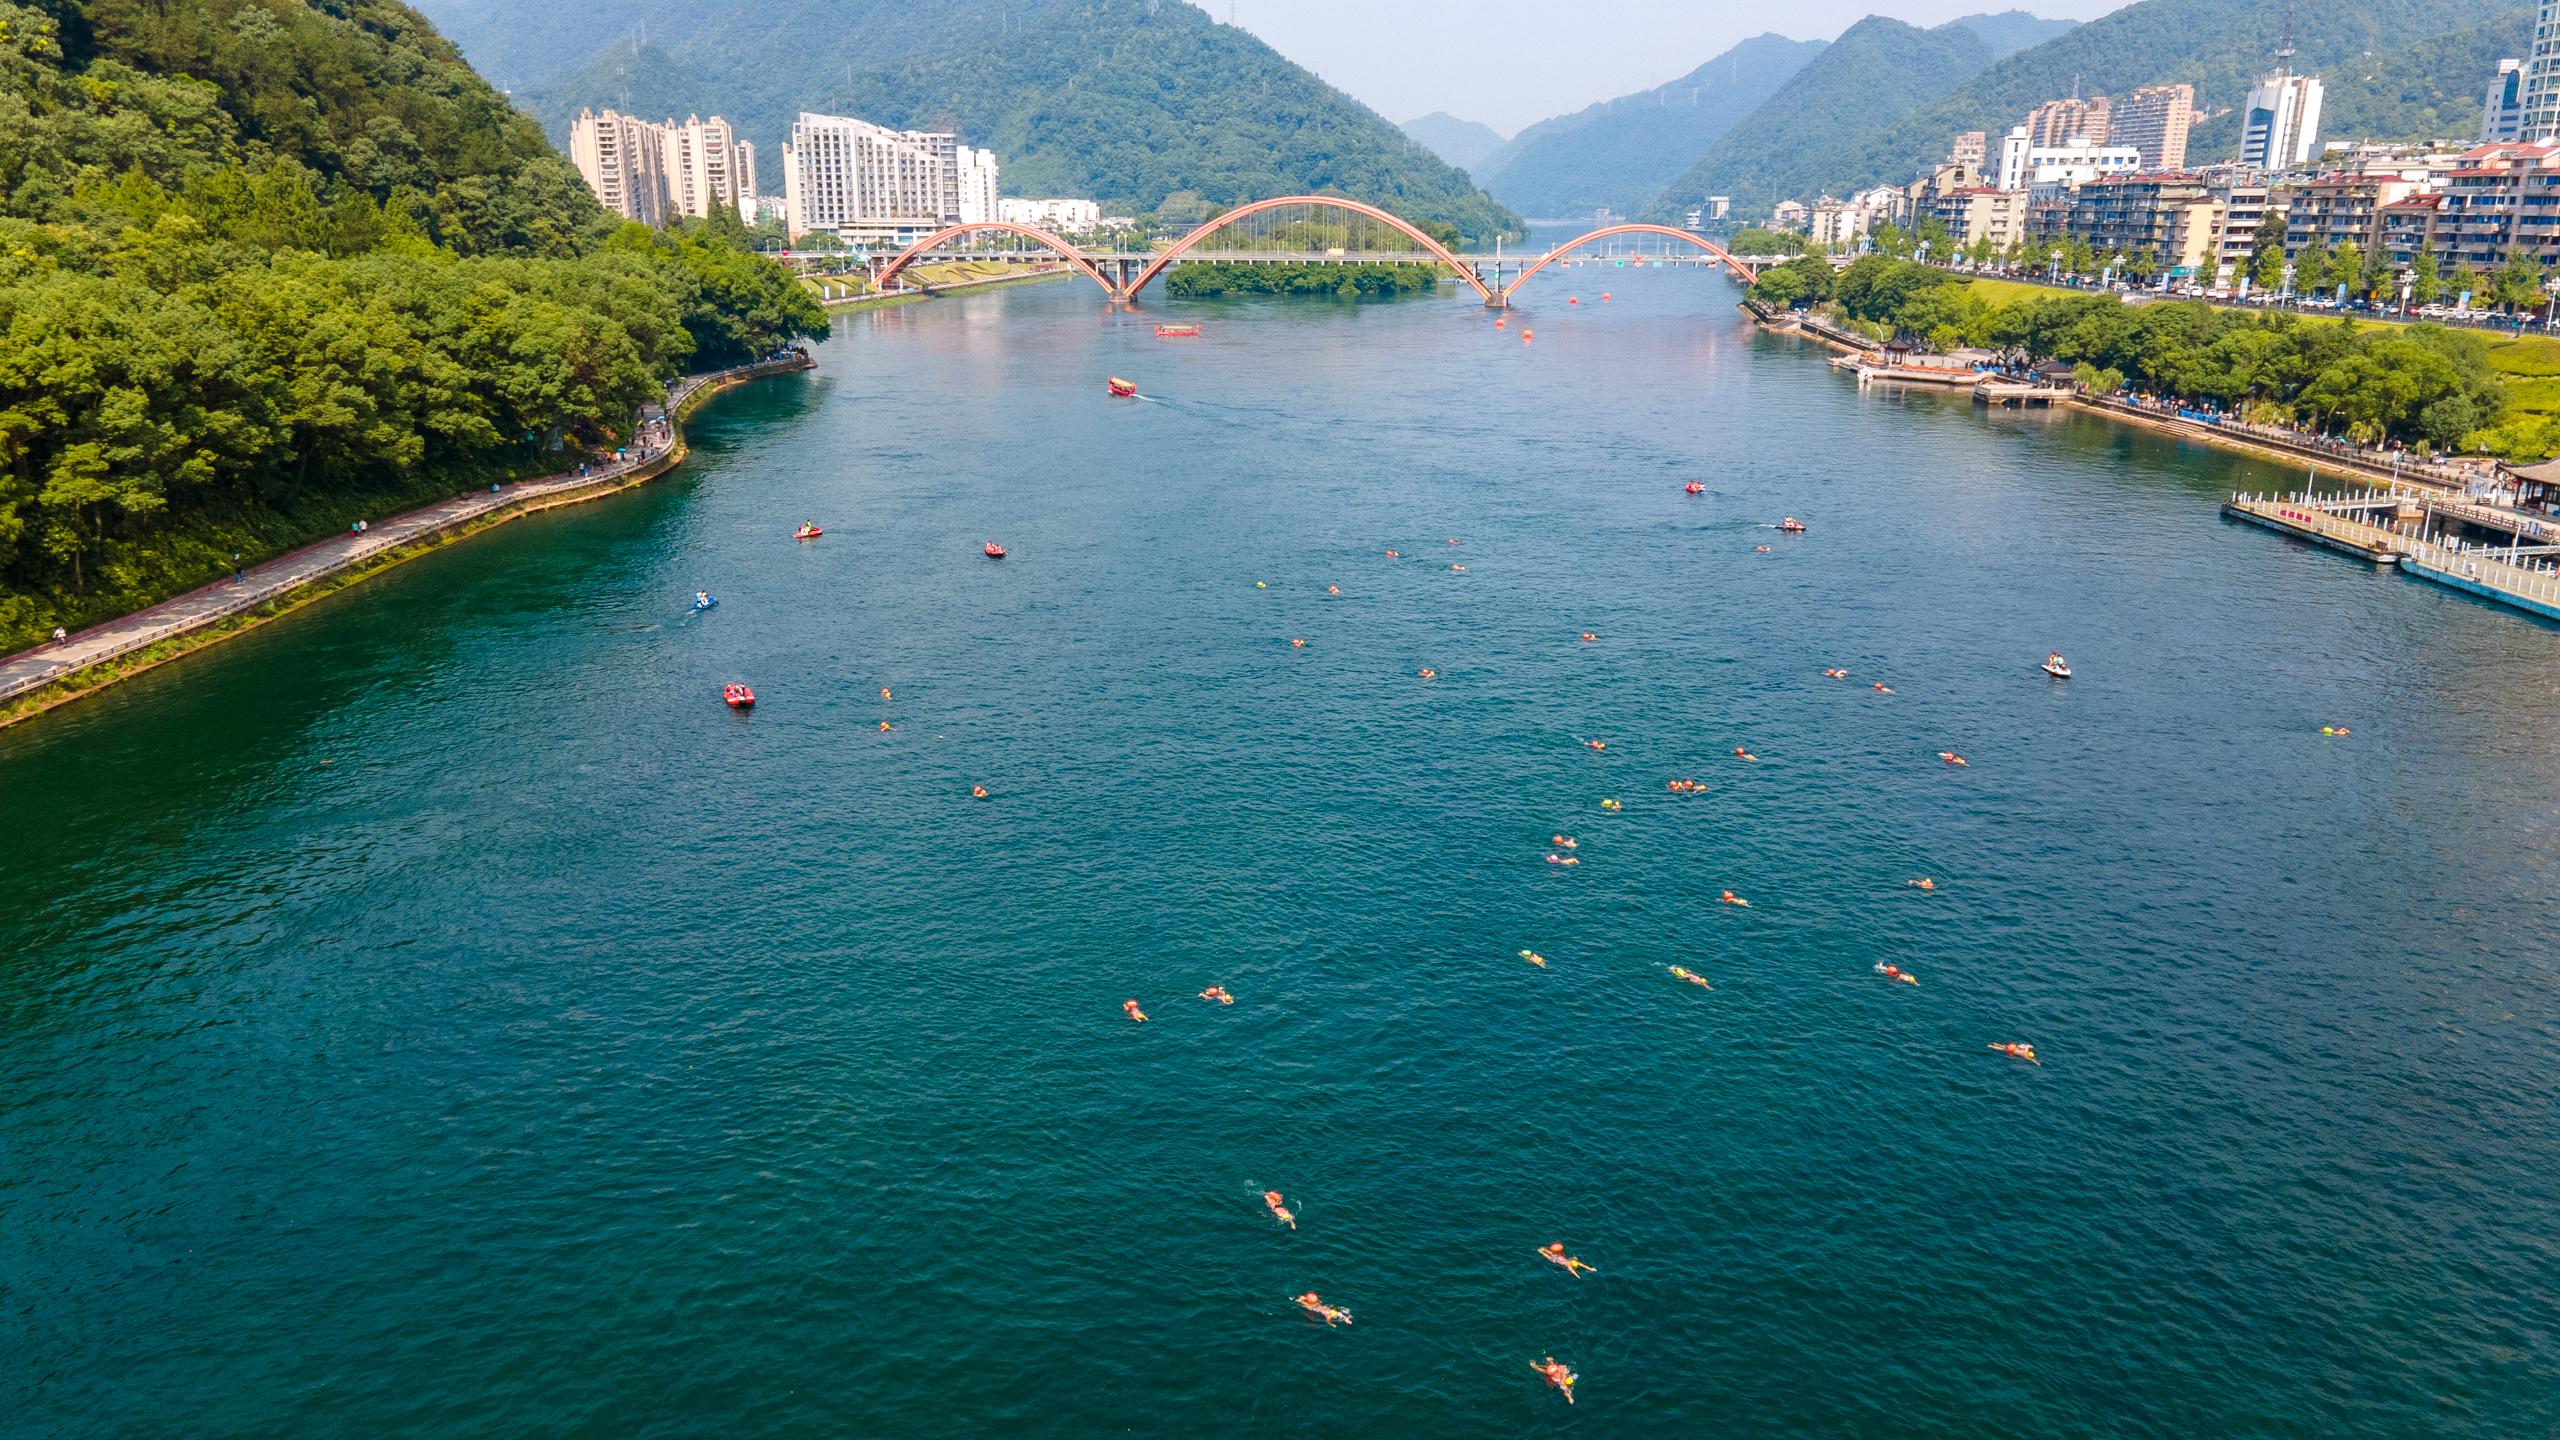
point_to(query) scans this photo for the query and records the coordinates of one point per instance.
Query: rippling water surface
(436, 1014)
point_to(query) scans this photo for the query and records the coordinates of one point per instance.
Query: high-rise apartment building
(862, 182)
(2075, 122)
(977, 182)
(2542, 78)
(623, 160)
(747, 188)
(1966, 149)
(2155, 120)
(2281, 126)
(701, 166)
(2502, 118)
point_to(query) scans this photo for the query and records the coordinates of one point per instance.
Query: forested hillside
(265, 268)
(1877, 71)
(2218, 46)
(2432, 90)
(1620, 152)
(1131, 102)
(1122, 101)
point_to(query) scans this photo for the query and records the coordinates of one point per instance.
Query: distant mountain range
(1460, 142)
(2393, 69)
(1123, 101)
(1619, 152)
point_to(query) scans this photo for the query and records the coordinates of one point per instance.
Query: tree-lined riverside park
(265, 270)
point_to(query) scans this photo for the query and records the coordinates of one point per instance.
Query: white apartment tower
(2281, 124)
(623, 161)
(2542, 78)
(747, 191)
(2502, 119)
(977, 181)
(700, 165)
(863, 183)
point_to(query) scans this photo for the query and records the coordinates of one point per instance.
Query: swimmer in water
(1327, 1313)
(1333, 589)
(2023, 1052)
(1132, 1007)
(1453, 542)
(1459, 568)
(977, 792)
(884, 692)
(1558, 1376)
(1566, 841)
(1884, 688)
(1393, 556)
(1745, 754)
(1597, 744)
(1534, 958)
(884, 724)
(1430, 674)
(1950, 757)
(1279, 1211)
(1587, 635)
(1837, 674)
(1763, 549)
(1562, 860)
(1611, 805)
(1219, 994)
(1896, 972)
(1301, 644)
(1923, 883)
(1555, 1254)
(1692, 976)
(1729, 898)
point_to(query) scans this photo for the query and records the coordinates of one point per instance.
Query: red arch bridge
(1122, 275)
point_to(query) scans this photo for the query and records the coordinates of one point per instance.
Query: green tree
(2424, 286)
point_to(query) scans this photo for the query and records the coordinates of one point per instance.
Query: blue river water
(437, 1014)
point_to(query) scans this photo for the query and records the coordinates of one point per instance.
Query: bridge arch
(907, 256)
(1566, 250)
(1168, 257)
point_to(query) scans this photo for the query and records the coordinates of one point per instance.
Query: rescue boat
(738, 696)
(1697, 489)
(2055, 666)
(807, 532)
(1792, 525)
(1122, 387)
(994, 551)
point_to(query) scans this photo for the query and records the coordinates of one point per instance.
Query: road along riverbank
(36, 680)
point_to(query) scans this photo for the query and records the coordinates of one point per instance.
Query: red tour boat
(738, 696)
(1793, 526)
(1122, 387)
(1177, 332)
(994, 551)
(1697, 489)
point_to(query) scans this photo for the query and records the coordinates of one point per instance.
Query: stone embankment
(35, 680)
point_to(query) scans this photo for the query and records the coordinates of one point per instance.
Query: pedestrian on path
(60, 634)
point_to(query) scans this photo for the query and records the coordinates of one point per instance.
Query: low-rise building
(1983, 213)
(1059, 217)
(2169, 215)
(2060, 166)
(1789, 215)
(2503, 200)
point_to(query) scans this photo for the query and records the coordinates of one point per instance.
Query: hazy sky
(1511, 62)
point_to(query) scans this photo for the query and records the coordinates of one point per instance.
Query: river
(436, 1013)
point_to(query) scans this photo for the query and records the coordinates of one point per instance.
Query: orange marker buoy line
(1572, 300)
(1526, 336)
(1499, 323)
(1604, 294)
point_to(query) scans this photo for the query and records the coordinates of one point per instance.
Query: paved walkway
(32, 669)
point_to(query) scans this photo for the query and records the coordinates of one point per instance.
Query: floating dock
(2371, 529)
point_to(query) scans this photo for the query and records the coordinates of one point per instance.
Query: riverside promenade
(201, 609)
